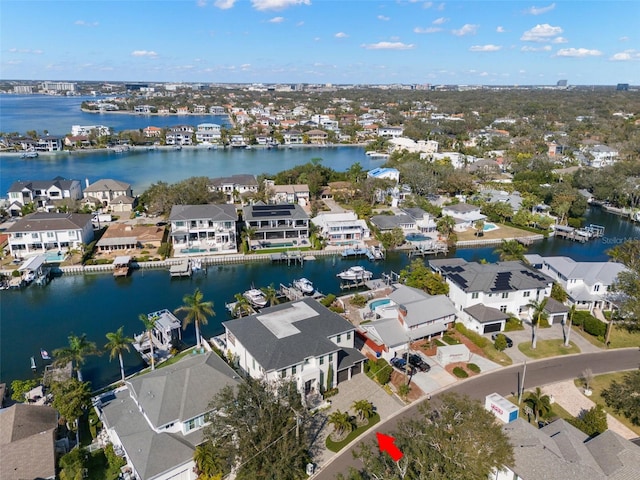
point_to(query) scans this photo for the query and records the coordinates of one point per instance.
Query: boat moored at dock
(304, 285)
(256, 297)
(355, 273)
(166, 331)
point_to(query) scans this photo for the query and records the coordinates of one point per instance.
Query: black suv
(509, 341)
(416, 361)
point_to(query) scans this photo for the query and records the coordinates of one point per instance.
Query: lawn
(556, 410)
(548, 348)
(620, 338)
(502, 232)
(599, 383)
(501, 358)
(336, 446)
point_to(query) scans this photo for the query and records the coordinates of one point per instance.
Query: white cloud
(224, 4)
(541, 33)
(276, 20)
(383, 18)
(13, 62)
(341, 35)
(626, 56)
(427, 30)
(26, 50)
(467, 29)
(144, 53)
(201, 3)
(500, 29)
(262, 5)
(578, 52)
(485, 48)
(529, 48)
(560, 40)
(540, 10)
(440, 21)
(624, 39)
(388, 46)
(83, 23)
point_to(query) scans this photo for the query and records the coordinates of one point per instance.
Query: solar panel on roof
(502, 281)
(258, 208)
(459, 279)
(273, 213)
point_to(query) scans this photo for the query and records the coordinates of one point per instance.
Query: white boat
(256, 297)
(30, 155)
(304, 285)
(356, 272)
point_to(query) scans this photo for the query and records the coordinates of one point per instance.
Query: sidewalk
(569, 397)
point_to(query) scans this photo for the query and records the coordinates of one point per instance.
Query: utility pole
(521, 386)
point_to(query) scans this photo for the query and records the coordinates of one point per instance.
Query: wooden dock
(182, 269)
(429, 249)
(581, 235)
(289, 257)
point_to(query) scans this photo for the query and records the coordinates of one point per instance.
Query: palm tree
(149, 324)
(446, 225)
(248, 234)
(363, 408)
(242, 305)
(341, 422)
(539, 403)
(117, 344)
(79, 348)
(538, 314)
(271, 294)
(510, 250)
(479, 226)
(572, 311)
(197, 311)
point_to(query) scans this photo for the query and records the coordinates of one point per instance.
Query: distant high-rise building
(23, 89)
(59, 86)
(561, 83)
(623, 87)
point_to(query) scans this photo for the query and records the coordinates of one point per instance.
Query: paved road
(504, 382)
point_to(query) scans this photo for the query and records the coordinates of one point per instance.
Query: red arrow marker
(385, 443)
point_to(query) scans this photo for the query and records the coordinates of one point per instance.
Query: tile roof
(107, 184)
(42, 221)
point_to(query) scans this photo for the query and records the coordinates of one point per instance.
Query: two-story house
(208, 133)
(283, 225)
(588, 284)
(113, 195)
(156, 420)
(342, 229)
(506, 287)
(292, 137)
(49, 144)
(40, 232)
(464, 214)
(181, 135)
(198, 229)
(411, 220)
(406, 315)
(599, 156)
(288, 193)
(42, 193)
(301, 340)
(317, 137)
(234, 187)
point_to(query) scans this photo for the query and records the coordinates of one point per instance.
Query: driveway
(331, 203)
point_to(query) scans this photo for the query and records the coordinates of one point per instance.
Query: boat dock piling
(581, 235)
(429, 249)
(289, 257)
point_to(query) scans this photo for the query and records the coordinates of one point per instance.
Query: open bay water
(43, 317)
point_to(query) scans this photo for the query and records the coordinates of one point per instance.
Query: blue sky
(322, 41)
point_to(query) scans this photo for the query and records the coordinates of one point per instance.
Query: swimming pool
(54, 257)
(379, 303)
(194, 250)
(417, 237)
(489, 226)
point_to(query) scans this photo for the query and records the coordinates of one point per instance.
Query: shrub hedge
(476, 338)
(473, 367)
(460, 373)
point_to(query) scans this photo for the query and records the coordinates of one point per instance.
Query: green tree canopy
(261, 431)
(19, 388)
(623, 396)
(418, 275)
(71, 398)
(197, 311)
(77, 352)
(510, 250)
(627, 285)
(592, 422)
(457, 438)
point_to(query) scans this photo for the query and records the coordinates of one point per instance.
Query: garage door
(343, 375)
(557, 318)
(356, 369)
(492, 327)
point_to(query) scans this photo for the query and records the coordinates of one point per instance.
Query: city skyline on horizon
(406, 42)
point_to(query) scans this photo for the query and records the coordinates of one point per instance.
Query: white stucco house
(203, 229)
(42, 193)
(464, 214)
(301, 340)
(507, 287)
(341, 229)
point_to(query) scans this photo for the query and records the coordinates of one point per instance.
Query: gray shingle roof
(42, 221)
(386, 222)
(242, 179)
(421, 307)
(554, 306)
(285, 335)
(491, 277)
(272, 212)
(61, 183)
(484, 314)
(107, 185)
(214, 212)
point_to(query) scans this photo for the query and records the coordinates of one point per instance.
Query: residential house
(390, 132)
(208, 133)
(143, 109)
(152, 132)
(40, 232)
(277, 225)
(385, 174)
(28, 447)
(411, 220)
(559, 450)
(598, 156)
(288, 193)
(317, 137)
(49, 144)
(119, 237)
(42, 193)
(234, 187)
(181, 135)
(557, 312)
(464, 214)
(112, 195)
(300, 340)
(77, 141)
(293, 137)
(505, 286)
(98, 130)
(338, 189)
(341, 229)
(588, 284)
(156, 420)
(514, 199)
(410, 314)
(203, 229)
(216, 110)
(427, 147)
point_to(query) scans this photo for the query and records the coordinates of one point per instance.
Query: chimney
(86, 182)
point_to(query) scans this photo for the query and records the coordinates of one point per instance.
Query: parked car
(509, 341)
(417, 361)
(399, 363)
